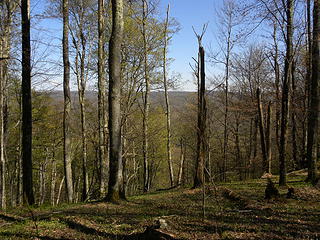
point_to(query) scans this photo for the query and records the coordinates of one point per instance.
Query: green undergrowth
(243, 214)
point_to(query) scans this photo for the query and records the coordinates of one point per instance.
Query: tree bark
(67, 104)
(26, 105)
(303, 155)
(115, 162)
(313, 112)
(146, 174)
(168, 115)
(182, 159)
(268, 137)
(81, 91)
(262, 133)
(101, 98)
(53, 178)
(293, 119)
(201, 128)
(285, 93)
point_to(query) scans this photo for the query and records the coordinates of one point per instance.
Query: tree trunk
(60, 190)
(199, 176)
(101, 98)
(53, 178)
(313, 112)
(238, 149)
(225, 133)
(303, 156)
(262, 131)
(67, 103)
(168, 115)
(81, 91)
(146, 174)
(115, 159)
(182, 159)
(277, 82)
(285, 94)
(26, 105)
(2, 158)
(268, 137)
(6, 9)
(293, 120)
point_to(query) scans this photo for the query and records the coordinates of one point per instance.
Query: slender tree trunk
(199, 176)
(81, 90)
(26, 105)
(268, 137)
(238, 149)
(225, 134)
(146, 174)
(262, 136)
(60, 190)
(67, 103)
(293, 119)
(285, 93)
(3, 76)
(102, 98)
(182, 159)
(313, 112)
(277, 82)
(2, 158)
(253, 154)
(168, 115)
(6, 9)
(115, 176)
(53, 178)
(303, 160)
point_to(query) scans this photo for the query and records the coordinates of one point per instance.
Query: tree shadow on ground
(8, 235)
(94, 232)
(9, 218)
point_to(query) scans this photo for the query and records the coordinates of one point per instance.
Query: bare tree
(101, 97)
(201, 126)
(67, 103)
(115, 162)
(313, 111)
(26, 105)
(6, 13)
(146, 106)
(285, 92)
(165, 84)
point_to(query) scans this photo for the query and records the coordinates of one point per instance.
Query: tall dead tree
(313, 111)
(26, 105)
(285, 92)
(101, 97)
(165, 83)
(115, 154)
(67, 103)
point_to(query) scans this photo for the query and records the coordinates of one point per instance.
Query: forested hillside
(94, 115)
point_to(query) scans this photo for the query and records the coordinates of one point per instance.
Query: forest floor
(235, 210)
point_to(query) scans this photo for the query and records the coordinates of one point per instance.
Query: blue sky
(189, 13)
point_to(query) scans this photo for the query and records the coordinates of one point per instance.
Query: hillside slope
(233, 211)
